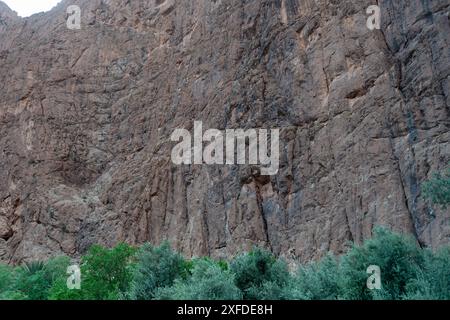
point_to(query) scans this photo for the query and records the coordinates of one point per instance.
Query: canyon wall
(86, 118)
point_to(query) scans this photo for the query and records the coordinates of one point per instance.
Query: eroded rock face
(86, 117)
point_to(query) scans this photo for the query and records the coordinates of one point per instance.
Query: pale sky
(26, 8)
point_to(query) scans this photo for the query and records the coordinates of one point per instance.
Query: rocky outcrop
(86, 117)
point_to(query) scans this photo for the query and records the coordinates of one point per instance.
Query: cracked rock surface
(86, 117)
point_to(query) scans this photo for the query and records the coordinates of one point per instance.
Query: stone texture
(86, 116)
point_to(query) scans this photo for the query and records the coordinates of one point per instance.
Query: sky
(26, 8)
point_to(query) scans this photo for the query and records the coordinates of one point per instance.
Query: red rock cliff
(86, 116)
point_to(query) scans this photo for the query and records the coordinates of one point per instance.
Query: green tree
(156, 267)
(316, 281)
(260, 275)
(59, 291)
(35, 279)
(433, 280)
(407, 272)
(8, 284)
(437, 190)
(209, 281)
(398, 257)
(105, 275)
(6, 278)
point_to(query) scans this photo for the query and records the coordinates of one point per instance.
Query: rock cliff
(86, 117)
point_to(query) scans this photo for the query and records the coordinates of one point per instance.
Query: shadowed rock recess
(86, 117)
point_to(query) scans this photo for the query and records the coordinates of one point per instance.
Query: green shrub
(6, 277)
(35, 279)
(438, 189)
(105, 275)
(259, 275)
(209, 280)
(407, 272)
(59, 291)
(8, 282)
(433, 280)
(156, 267)
(316, 281)
(398, 257)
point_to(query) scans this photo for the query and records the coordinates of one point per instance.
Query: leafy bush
(260, 275)
(316, 281)
(59, 291)
(433, 280)
(36, 278)
(398, 257)
(438, 189)
(407, 272)
(8, 281)
(209, 280)
(105, 274)
(157, 267)
(6, 277)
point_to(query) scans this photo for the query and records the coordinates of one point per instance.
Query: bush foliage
(260, 275)
(408, 272)
(105, 273)
(437, 190)
(157, 267)
(207, 280)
